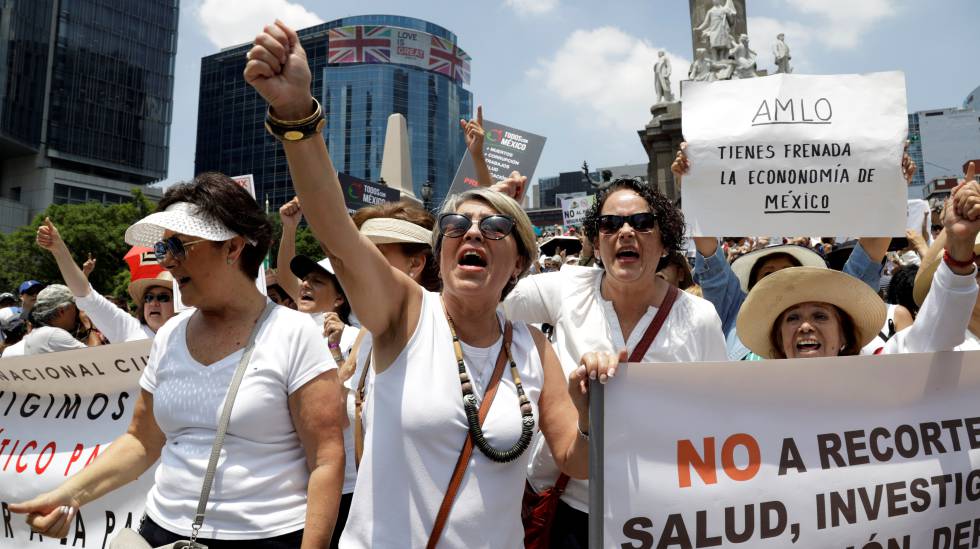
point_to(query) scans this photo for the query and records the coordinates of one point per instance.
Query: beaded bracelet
(953, 262)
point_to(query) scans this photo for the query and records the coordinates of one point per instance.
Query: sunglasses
(159, 298)
(643, 222)
(493, 227)
(175, 247)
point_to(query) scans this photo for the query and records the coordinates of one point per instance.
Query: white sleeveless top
(415, 428)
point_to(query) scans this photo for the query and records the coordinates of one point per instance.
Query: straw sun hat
(388, 230)
(781, 290)
(139, 286)
(742, 267)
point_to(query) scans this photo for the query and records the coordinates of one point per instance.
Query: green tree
(91, 228)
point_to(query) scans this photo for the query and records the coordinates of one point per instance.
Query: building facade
(365, 68)
(85, 110)
(949, 138)
(550, 188)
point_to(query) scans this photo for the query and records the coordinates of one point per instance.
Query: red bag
(538, 512)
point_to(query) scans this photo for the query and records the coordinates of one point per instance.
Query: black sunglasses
(159, 298)
(175, 247)
(643, 222)
(493, 227)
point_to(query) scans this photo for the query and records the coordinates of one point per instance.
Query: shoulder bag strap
(655, 325)
(358, 404)
(467, 451)
(219, 437)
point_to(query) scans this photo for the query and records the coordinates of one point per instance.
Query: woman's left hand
(333, 327)
(599, 365)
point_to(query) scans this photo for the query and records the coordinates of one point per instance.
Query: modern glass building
(915, 151)
(364, 70)
(85, 108)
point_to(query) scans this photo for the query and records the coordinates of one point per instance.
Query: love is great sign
(873, 452)
(788, 154)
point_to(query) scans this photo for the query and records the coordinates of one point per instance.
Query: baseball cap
(28, 286)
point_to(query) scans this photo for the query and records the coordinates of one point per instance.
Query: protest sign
(574, 210)
(505, 149)
(246, 182)
(874, 451)
(58, 411)
(788, 154)
(359, 193)
(919, 218)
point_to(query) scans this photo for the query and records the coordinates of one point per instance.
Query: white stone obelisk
(396, 164)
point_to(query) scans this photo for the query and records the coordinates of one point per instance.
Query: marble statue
(662, 72)
(716, 29)
(745, 59)
(780, 52)
(702, 68)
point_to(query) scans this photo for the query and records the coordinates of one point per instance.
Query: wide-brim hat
(744, 264)
(783, 289)
(180, 217)
(388, 230)
(927, 270)
(139, 286)
(302, 265)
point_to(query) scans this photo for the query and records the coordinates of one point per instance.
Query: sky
(580, 71)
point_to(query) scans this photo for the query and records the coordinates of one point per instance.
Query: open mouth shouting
(471, 260)
(808, 345)
(628, 254)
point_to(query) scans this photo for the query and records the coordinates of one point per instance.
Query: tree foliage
(97, 229)
(90, 228)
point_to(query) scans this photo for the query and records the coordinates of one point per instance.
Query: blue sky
(580, 71)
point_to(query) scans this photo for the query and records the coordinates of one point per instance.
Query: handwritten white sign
(788, 154)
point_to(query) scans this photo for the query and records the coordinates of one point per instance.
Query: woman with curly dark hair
(631, 227)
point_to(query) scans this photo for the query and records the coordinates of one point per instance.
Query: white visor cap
(180, 217)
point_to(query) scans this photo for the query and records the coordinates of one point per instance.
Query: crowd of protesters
(415, 334)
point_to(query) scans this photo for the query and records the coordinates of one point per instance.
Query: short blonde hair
(527, 247)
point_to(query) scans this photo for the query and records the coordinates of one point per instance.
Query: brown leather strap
(655, 325)
(467, 451)
(358, 404)
(561, 483)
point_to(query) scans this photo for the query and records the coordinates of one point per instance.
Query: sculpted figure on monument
(716, 29)
(745, 59)
(702, 68)
(661, 83)
(780, 51)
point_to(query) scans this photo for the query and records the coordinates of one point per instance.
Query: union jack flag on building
(359, 44)
(448, 59)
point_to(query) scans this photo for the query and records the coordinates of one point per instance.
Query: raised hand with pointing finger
(474, 132)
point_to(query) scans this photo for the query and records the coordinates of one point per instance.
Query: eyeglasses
(175, 247)
(643, 222)
(493, 227)
(159, 298)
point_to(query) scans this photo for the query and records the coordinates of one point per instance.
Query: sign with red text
(874, 451)
(794, 154)
(58, 412)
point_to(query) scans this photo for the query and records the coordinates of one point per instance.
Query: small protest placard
(506, 149)
(359, 193)
(789, 154)
(574, 210)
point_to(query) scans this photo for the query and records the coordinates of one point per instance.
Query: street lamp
(426, 194)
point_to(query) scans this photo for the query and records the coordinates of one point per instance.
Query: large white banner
(788, 154)
(874, 452)
(58, 411)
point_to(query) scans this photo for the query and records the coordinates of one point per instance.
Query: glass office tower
(357, 93)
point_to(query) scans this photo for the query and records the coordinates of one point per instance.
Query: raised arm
(49, 238)
(277, 68)
(290, 214)
(474, 134)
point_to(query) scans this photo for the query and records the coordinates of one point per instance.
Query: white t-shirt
(944, 314)
(117, 325)
(571, 301)
(416, 426)
(17, 349)
(48, 339)
(260, 485)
